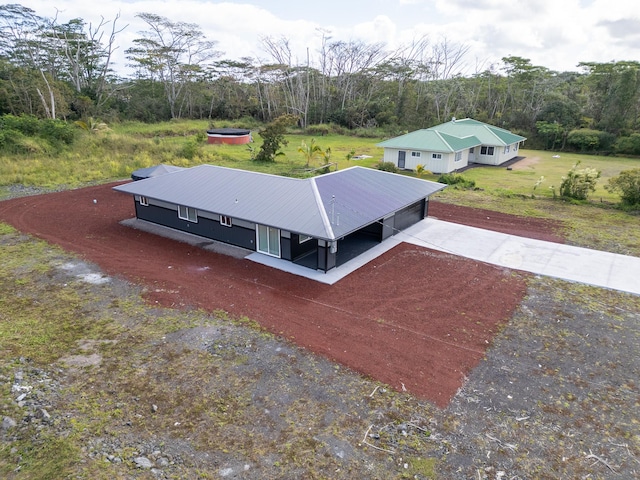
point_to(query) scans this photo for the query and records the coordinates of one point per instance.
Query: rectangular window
(507, 148)
(187, 213)
(437, 156)
(415, 154)
(458, 156)
(144, 201)
(471, 150)
(486, 150)
(226, 221)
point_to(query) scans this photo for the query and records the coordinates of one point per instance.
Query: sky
(557, 34)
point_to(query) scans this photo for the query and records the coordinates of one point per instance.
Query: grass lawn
(521, 180)
(556, 396)
(112, 154)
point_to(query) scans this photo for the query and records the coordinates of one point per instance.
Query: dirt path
(414, 318)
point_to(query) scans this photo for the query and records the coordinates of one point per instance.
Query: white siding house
(452, 146)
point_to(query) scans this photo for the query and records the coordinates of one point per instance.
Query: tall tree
(87, 59)
(614, 94)
(23, 42)
(173, 53)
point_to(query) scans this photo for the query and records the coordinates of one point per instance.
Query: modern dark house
(318, 222)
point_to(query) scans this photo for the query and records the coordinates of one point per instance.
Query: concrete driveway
(592, 267)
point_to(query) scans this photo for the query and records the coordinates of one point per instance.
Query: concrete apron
(583, 265)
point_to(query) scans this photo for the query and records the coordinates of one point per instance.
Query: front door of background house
(269, 240)
(401, 158)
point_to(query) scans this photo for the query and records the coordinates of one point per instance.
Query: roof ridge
(445, 141)
(323, 211)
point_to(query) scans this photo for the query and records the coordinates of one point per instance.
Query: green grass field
(109, 408)
(112, 154)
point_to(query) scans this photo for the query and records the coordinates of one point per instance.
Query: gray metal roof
(364, 195)
(306, 206)
(155, 171)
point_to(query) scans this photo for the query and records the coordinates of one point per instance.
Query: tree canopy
(64, 70)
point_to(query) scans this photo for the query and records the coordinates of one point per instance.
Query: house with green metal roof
(451, 146)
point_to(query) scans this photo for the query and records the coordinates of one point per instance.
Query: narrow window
(483, 150)
(187, 213)
(415, 154)
(226, 221)
(144, 201)
(458, 156)
(490, 151)
(437, 156)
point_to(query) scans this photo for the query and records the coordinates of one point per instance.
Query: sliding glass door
(269, 240)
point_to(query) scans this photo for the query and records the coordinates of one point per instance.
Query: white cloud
(553, 33)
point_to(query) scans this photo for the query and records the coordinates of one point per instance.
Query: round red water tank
(229, 136)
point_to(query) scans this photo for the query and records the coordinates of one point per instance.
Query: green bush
(577, 184)
(27, 134)
(587, 140)
(25, 124)
(457, 180)
(387, 167)
(190, 149)
(627, 184)
(55, 131)
(628, 145)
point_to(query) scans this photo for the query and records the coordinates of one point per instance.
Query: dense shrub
(577, 184)
(57, 131)
(587, 140)
(628, 145)
(387, 167)
(27, 134)
(457, 180)
(627, 184)
(25, 124)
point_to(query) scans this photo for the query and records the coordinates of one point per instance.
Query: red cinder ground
(414, 318)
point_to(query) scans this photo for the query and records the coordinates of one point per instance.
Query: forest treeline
(54, 70)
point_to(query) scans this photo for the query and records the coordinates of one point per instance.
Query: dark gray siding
(285, 248)
(387, 227)
(205, 227)
(298, 249)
